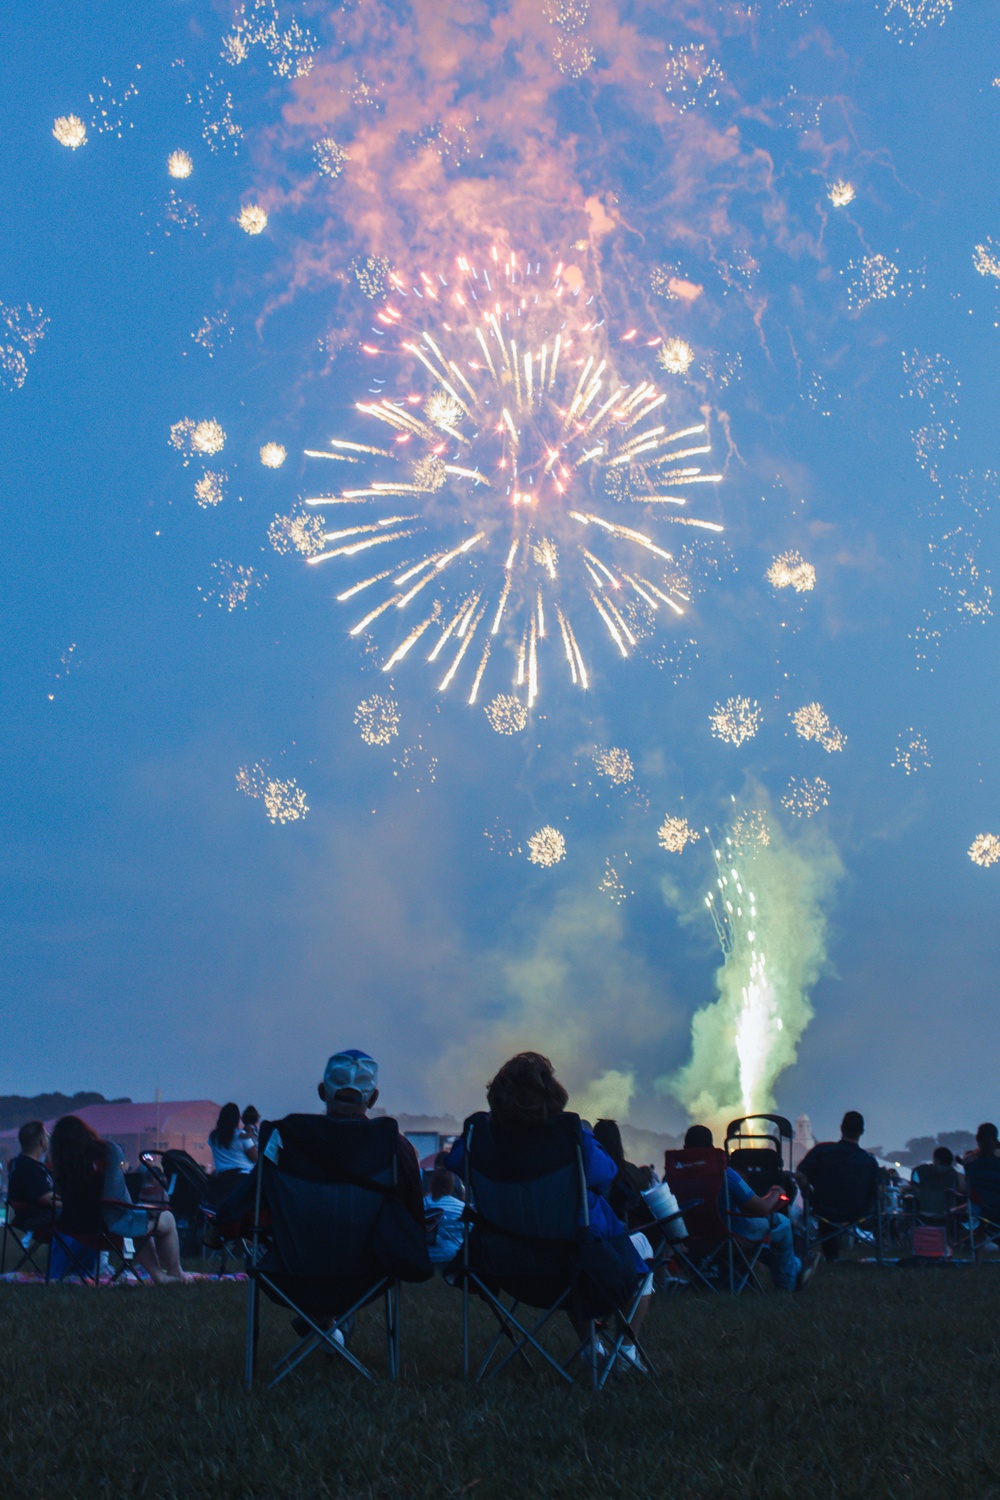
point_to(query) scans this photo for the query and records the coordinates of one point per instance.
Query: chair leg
(392, 1329)
(465, 1327)
(253, 1330)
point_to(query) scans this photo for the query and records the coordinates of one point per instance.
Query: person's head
(350, 1084)
(442, 1183)
(226, 1125)
(986, 1140)
(33, 1138)
(852, 1126)
(251, 1117)
(607, 1134)
(943, 1157)
(76, 1149)
(526, 1092)
(697, 1138)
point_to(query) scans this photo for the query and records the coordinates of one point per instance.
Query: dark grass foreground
(872, 1383)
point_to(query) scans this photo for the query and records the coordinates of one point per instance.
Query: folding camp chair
(759, 1148)
(29, 1226)
(82, 1238)
(981, 1219)
(321, 1183)
(843, 1196)
(715, 1257)
(526, 1205)
(933, 1209)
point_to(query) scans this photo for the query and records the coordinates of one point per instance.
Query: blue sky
(157, 929)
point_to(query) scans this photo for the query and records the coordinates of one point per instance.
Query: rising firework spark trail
(514, 484)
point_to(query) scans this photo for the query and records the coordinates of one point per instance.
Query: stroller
(189, 1189)
(755, 1147)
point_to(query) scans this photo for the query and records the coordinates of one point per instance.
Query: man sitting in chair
(349, 1090)
(30, 1188)
(756, 1217)
(840, 1176)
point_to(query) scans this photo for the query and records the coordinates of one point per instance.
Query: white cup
(661, 1203)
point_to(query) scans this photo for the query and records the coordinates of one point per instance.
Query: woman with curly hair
(91, 1183)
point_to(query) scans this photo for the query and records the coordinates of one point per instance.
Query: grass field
(872, 1383)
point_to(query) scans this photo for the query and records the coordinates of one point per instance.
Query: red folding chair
(715, 1257)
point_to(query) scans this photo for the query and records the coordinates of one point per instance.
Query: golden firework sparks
(985, 850)
(751, 830)
(546, 847)
(330, 158)
(377, 718)
(736, 720)
(912, 754)
(507, 714)
(840, 193)
(302, 531)
(790, 570)
(986, 259)
(675, 356)
(252, 219)
(179, 164)
(804, 798)
(674, 834)
(524, 414)
(273, 455)
(234, 585)
(616, 765)
(812, 723)
(208, 437)
(69, 130)
(209, 490)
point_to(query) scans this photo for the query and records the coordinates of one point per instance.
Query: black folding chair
(759, 1148)
(526, 1206)
(844, 1196)
(981, 1218)
(321, 1184)
(29, 1226)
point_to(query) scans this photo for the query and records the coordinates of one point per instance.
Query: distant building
(803, 1140)
(427, 1134)
(164, 1125)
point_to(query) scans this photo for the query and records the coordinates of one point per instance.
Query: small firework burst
(377, 719)
(611, 883)
(69, 130)
(750, 830)
(840, 193)
(233, 586)
(546, 847)
(616, 765)
(430, 474)
(284, 801)
(985, 850)
(507, 714)
(790, 570)
(674, 834)
(736, 720)
(215, 328)
(207, 437)
(179, 164)
(442, 409)
(812, 723)
(675, 356)
(302, 531)
(986, 259)
(330, 157)
(804, 797)
(273, 455)
(209, 489)
(372, 275)
(874, 278)
(912, 754)
(252, 219)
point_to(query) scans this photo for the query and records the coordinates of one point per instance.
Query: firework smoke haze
(771, 903)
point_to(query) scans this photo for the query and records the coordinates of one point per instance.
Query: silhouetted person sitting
(755, 1218)
(234, 1150)
(936, 1186)
(839, 1181)
(90, 1181)
(30, 1188)
(982, 1176)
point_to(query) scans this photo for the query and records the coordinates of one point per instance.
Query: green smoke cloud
(775, 951)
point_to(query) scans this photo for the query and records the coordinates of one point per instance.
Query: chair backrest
(759, 1166)
(934, 1189)
(982, 1174)
(322, 1216)
(698, 1172)
(844, 1181)
(526, 1182)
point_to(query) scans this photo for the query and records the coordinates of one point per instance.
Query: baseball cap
(351, 1070)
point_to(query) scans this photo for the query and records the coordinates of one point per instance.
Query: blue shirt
(740, 1192)
(599, 1171)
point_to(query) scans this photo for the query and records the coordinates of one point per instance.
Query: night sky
(157, 929)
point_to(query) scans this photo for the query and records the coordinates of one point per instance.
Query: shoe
(628, 1359)
(807, 1271)
(599, 1350)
